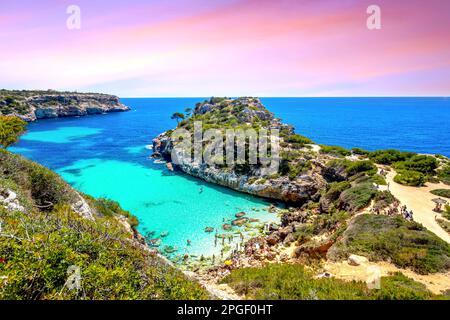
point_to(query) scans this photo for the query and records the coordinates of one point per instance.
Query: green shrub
(444, 174)
(410, 178)
(298, 140)
(357, 197)
(335, 150)
(392, 238)
(47, 188)
(367, 166)
(336, 188)
(294, 282)
(10, 130)
(296, 169)
(445, 193)
(389, 156)
(109, 208)
(379, 180)
(419, 163)
(360, 152)
(383, 199)
(446, 212)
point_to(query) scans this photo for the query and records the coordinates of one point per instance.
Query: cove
(106, 156)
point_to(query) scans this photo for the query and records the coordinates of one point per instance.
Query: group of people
(408, 215)
(438, 207)
(394, 210)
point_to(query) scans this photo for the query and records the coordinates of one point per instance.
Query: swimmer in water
(201, 190)
(189, 242)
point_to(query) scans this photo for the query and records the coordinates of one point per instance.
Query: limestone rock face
(33, 105)
(8, 199)
(82, 208)
(301, 190)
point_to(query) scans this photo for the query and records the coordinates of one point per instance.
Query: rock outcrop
(33, 105)
(298, 190)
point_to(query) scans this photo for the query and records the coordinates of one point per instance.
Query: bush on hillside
(10, 130)
(367, 166)
(360, 152)
(410, 178)
(444, 174)
(389, 156)
(298, 140)
(296, 169)
(379, 180)
(418, 163)
(335, 150)
(357, 197)
(445, 193)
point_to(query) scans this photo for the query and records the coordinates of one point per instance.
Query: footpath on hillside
(419, 200)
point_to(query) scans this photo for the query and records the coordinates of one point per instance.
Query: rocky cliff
(290, 184)
(33, 105)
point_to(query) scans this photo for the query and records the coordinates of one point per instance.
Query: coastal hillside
(33, 105)
(340, 212)
(57, 243)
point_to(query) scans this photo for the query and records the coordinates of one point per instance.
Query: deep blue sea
(106, 156)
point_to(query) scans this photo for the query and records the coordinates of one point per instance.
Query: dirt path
(418, 199)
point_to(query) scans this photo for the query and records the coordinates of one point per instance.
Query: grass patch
(445, 193)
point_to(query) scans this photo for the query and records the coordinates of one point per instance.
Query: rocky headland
(33, 105)
(247, 113)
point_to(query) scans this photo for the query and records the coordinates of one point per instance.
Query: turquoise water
(106, 155)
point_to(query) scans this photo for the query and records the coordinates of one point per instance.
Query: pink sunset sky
(235, 47)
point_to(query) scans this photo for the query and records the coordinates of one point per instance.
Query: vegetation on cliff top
(24, 103)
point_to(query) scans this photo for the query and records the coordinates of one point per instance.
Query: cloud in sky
(229, 47)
